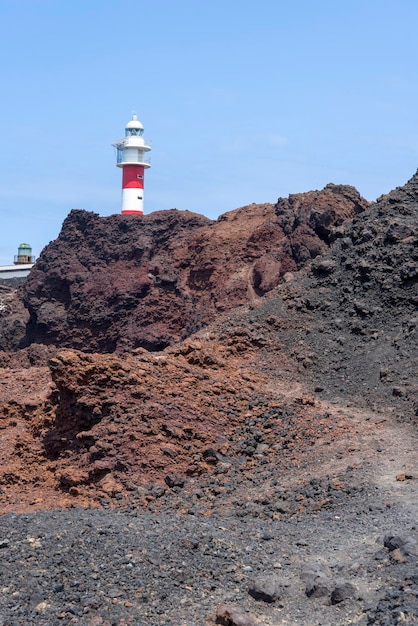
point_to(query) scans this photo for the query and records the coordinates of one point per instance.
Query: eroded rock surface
(116, 283)
(13, 318)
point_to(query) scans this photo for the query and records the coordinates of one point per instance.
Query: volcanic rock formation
(115, 283)
(289, 417)
(13, 317)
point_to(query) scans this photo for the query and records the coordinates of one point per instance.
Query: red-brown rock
(120, 282)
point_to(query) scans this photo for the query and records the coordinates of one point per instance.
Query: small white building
(23, 263)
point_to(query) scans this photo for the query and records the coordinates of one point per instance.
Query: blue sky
(243, 102)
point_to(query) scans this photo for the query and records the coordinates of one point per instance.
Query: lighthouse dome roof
(134, 123)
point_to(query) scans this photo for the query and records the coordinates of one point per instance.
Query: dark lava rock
(370, 298)
(343, 592)
(316, 578)
(266, 588)
(317, 589)
(174, 480)
(311, 220)
(231, 615)
(398, 606)
(92, 287)
(405, 543)
(13, 318)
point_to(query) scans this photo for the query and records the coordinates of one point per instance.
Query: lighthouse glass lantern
(131, 157)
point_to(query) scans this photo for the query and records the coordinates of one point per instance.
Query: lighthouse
(131, 152)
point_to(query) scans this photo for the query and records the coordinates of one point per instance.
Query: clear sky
(243, 101)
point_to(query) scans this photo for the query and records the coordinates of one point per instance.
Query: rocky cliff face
(121, 282)
(13, 317)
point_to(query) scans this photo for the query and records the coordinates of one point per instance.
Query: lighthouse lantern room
(131, 151)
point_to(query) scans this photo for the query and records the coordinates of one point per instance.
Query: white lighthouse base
(132, 201)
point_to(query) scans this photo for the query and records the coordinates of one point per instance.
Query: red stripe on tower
(133, 176)
(131, 152)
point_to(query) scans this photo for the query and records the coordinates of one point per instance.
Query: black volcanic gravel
(122, 567)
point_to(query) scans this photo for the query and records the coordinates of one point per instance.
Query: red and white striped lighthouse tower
(131, 152)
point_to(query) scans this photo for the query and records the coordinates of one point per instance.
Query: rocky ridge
(117, 283)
